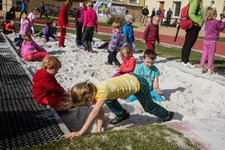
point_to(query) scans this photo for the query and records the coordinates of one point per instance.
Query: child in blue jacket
(128, 31)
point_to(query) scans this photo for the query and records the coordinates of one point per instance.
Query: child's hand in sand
(158, 90)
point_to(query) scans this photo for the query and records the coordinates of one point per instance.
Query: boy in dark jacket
(151, 33)
(46, 89)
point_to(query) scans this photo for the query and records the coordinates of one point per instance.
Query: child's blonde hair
(26, 38)
(127, 50)
(116, 25)
(83, 94)
(210, 13)
(51, 62)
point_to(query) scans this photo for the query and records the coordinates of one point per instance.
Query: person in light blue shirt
(23, 8)
(128, 32)
(151, 74)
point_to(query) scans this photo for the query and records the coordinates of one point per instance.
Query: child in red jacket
(9, 27)
(63, 21)
(128, 61)
(151, 33)
(46, 89)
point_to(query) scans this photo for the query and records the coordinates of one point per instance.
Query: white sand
(198, 100)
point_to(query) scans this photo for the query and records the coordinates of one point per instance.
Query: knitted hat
(129, 17)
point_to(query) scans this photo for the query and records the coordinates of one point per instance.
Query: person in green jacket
(196, 11)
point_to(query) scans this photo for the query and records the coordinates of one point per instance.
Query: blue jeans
(152, 93)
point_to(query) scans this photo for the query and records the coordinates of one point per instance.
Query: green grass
(175, 54)
(221, 39)
(157, 137)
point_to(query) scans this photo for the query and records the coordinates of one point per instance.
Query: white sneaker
(189, 65)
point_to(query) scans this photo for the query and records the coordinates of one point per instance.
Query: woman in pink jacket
(90, 24)
(30, 51)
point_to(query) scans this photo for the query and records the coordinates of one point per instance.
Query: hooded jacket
(63, 16)
(45, 84)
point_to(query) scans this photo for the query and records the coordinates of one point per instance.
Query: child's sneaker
(210, 71)
(119, 119)
(202, 70)
(170, 117)
(108, 63)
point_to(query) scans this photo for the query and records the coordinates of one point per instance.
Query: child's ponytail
(83, 94)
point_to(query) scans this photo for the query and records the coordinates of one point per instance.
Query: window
(134, 1)
(18, 5)
(118, 0)
(212, 3)
(176, 9)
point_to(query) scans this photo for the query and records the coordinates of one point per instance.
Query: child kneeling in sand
(88, 94)
(46, 89)
(151, 73)
(31, 51)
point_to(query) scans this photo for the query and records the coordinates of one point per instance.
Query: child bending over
(128, 61)
(31, 51)
(151, 73)
(108, 91)
(46, 89)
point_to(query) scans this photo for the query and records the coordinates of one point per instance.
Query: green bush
(121, 20)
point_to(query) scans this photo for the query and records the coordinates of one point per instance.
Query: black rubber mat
(23, 122)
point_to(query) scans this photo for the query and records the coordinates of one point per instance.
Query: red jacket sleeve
(146, 32)
(128, 66)
(85, 19)
(63, 16)
(53, 86)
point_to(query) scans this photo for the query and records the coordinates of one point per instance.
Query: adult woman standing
(9, 15)
(63, 21)
(196, 11)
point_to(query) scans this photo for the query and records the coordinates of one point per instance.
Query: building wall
(218, 4)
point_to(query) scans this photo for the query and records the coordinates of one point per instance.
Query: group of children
(130, 82)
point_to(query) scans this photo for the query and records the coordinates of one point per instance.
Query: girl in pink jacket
(30, 51)
(89, 25)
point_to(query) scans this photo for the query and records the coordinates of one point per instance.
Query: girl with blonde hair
(31, 51)
(212, 30)
(122, 87)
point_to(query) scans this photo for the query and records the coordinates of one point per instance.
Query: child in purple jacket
(212, 30)
(48, 31)
(115, 44)
(30, 51)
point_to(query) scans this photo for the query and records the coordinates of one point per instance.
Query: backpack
(185, 20)
(145, 12)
